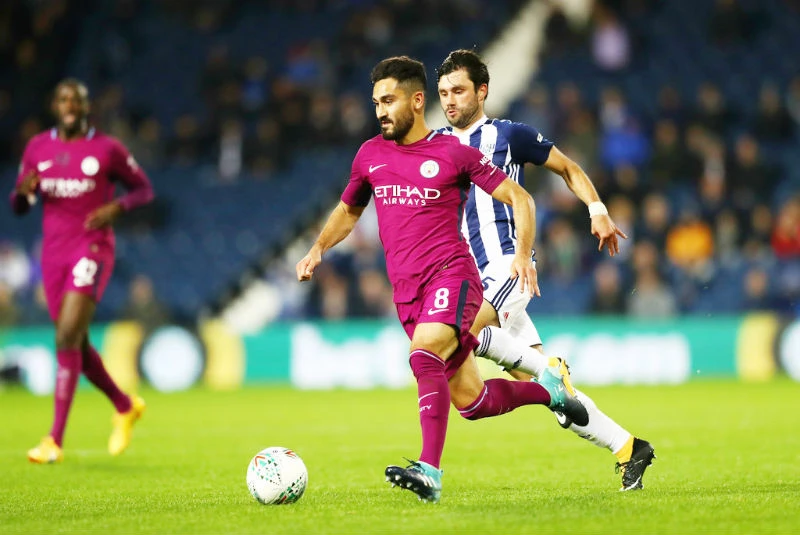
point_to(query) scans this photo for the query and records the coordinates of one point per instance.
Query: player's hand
(29, 184)
(305, 267)
(524, 268)
(604, 229)
(103, 216)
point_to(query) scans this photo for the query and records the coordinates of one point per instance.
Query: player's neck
(78, 133)
(471, 126)
(419, 131)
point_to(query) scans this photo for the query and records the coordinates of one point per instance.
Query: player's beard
(465, 117)
(74, 128)
(402, 126)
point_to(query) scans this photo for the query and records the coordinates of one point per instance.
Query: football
(277, 476)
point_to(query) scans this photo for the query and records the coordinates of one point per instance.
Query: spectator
(255, 85)
(143, 306)
(757, 294)
(712, 113)
(611, 46)
(535, 109)
(670, 162)
(148, 145)
(772, 122)
(262, 153)
(786, 236)
(188, 144)
(670, 106)
(37, 313)
(690, 246)
(15, 267)
(9, 313)
(231, 139)
(727, 237)
(728, 24)
(563, 250)
(752, 180)
(374, 295)
(793, 100)
(607, 297)
(650, 297)
(656, 214)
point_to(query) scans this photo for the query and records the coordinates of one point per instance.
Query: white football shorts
(503, 294)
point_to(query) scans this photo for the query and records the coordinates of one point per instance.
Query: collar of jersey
(480, 122)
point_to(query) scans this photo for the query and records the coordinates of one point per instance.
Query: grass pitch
(728, 462)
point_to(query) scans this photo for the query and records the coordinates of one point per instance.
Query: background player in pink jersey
(74, 170)
(419, 180)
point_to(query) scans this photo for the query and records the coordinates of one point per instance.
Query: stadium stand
(246, 116)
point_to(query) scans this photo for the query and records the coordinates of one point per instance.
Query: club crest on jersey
(90, 166)
(429, 169)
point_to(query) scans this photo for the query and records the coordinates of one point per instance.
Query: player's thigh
(487, 316)
(502, 292)
(521, 327)
(466, 384)
(438, 338)
(77, 311)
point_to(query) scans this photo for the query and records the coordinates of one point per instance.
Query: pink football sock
(69, 371)
(500, 396)
(434, 403)
(95, 371)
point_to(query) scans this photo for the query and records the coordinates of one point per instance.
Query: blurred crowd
(700, 187)
(712, 215)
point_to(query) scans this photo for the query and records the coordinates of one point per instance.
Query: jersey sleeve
(478, 168)
(19, 203)
(125, 169)
(528, 144)
(358, 191)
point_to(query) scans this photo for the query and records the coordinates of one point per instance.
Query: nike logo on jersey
(373, 168)
(45, 165)
(432, 311)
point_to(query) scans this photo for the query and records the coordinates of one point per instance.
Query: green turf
(728, 462)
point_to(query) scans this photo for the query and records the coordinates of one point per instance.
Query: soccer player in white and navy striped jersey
(504, 329)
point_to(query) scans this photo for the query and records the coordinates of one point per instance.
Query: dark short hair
(407, 71)
(468, 60)
(78, 85)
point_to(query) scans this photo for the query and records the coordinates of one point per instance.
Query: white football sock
(601, 430)
(499, 346)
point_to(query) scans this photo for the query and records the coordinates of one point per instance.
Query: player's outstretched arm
(524, 209)
(339, 225)
(578, 181)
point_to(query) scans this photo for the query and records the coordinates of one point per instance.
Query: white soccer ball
(276, 476)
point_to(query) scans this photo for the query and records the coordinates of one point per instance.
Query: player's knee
(69, 338)
(441, 345)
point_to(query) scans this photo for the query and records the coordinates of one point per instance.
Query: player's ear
(483, 92)
(419, 100)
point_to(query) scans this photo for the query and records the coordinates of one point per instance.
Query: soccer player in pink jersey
(73, 169)
(420, 180)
